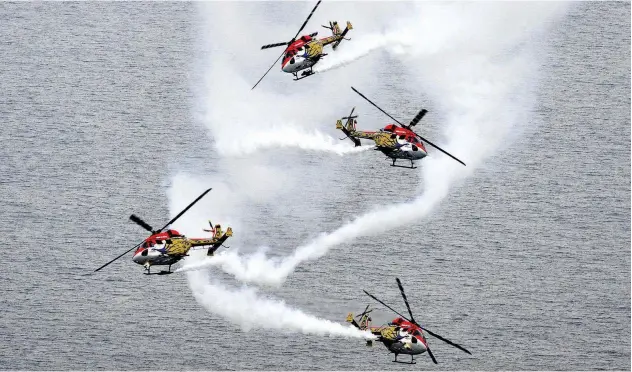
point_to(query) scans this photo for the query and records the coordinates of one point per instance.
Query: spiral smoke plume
(478, 62)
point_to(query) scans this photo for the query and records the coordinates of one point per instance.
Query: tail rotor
(348, 128)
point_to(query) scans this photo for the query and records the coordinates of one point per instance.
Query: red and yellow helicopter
(303, 53)
(401, 335)
(396, 142)
(169, 246)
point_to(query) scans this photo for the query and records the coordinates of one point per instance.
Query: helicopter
(396, 142)
(303, 53)
(402, 335)
(166, 247)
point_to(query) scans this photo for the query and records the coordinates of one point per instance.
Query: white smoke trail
(242, 127)
(284, 137)
(279, 112)
(244, 307)
(479, 63)
(352, 52)
(258, 268)
(242, 122)
(247, 309)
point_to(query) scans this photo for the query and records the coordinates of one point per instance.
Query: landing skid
(397, 361)
(412, 360)
(161, 272)
(304, 74)
(412, 165)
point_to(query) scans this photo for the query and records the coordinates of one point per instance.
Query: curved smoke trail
(243, 122)
(479, 61)
(287, 136)
(249, 310)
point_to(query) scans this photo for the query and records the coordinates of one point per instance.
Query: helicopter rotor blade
(401, 289)
(289, 42)
(274, 45)
(185, 209)
(141, 223)
(424, 329)
(147, 227)
(445, 340)
(438, 148)
(420, 115)
(121, 255)
(417, 118)
(307, 20)
(364, 312)
(368, 312)
(431, 355)
(350, 117)
(377, 107)
(388, 307)
(366, 308)
(264, 75)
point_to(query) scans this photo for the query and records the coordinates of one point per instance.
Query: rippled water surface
(526, 262)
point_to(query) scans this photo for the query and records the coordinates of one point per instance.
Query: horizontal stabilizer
(343, 34)
(347, 133)
(220, 241)
(352, 321)
(349, 27)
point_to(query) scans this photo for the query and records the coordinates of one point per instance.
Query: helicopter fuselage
(394, 141)
(305, 52)
(167, 248)
(402, 337)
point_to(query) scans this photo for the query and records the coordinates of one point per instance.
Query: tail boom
(337, 36)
